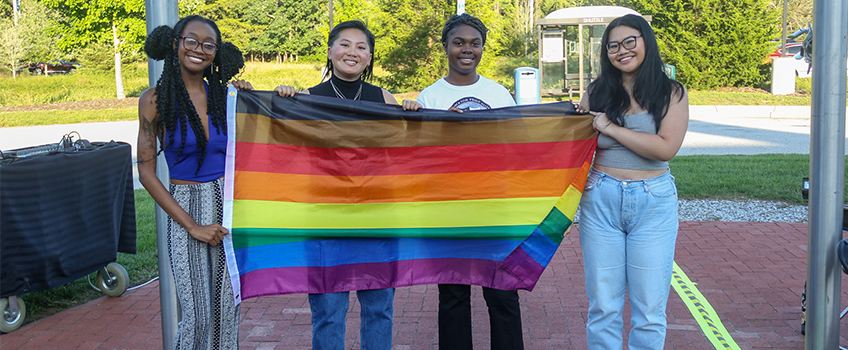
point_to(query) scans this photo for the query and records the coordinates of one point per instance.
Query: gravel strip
(749, 210)
(737, 210)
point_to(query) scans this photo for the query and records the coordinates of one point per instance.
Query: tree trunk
(119, 81)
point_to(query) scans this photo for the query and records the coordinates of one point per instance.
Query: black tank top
(348, 89)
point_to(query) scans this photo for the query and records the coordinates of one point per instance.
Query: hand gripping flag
(328, 195)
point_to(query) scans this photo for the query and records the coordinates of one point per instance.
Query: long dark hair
(334, 34)
(173, 103)
(652, 88)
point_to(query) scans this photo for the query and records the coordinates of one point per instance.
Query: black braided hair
(173, 103)
(469, 20)
(334, 34)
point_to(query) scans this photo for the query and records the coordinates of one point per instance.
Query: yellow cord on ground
(700, 308)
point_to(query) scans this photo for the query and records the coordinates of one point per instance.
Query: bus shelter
(570, 46)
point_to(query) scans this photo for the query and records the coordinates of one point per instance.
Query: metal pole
(15, 11)
(331, 15)
(783, 38)
(163, 12)
(827, 166)
(580, 56)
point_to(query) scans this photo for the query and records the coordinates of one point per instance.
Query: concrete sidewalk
(751, 273)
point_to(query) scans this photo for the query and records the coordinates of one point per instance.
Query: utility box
(527, 86)
(783, 76)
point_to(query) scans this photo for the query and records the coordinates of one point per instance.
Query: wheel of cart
(66, 211)
(112, 280)
(14, 313)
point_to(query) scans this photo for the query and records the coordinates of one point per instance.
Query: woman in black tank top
(350, 59)
(350, 62)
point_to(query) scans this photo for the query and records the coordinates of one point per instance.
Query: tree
(714, 43)
(409, 34)
(287, 28)
(229, 15)
(26, 41)
(13, 45)
(800, 12)
(521, 36)
(119, 22)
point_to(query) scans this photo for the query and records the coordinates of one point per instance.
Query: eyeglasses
(628, 43)
(191, 44)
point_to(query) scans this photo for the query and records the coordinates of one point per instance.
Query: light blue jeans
(627, 233)
(328, 319)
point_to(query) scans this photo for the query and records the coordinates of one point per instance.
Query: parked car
(801, 67)
(793, 48)
(53, 67)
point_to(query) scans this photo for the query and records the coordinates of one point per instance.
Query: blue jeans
(627, 232)
(328, 319)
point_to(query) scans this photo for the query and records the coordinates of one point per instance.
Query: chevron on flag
(328, 195)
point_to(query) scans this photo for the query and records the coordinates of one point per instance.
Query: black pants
(455, 318)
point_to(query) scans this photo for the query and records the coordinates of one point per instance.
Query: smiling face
(350, 54)
(464, 49)
(194, 59)
(627, 60)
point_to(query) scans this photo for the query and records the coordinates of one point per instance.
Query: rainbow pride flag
(328, 195)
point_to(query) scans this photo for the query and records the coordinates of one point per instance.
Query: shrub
(714, 43)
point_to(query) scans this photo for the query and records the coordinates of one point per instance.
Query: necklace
(340, 95)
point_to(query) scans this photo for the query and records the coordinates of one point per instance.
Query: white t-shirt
(484, 94)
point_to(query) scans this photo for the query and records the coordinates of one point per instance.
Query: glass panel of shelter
(561, 58)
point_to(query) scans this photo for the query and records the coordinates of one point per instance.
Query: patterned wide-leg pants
(209, 317)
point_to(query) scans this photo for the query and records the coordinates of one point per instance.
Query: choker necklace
(340, 95)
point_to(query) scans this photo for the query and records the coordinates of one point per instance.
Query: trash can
(527, 86)
(670, 71)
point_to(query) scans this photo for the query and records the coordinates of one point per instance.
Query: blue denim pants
(627, 232)
(328, 319)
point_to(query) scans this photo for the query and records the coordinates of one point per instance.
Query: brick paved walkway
(751, 273)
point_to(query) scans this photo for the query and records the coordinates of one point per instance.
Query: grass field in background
(88, 85)
(32, 118)
(83, 85)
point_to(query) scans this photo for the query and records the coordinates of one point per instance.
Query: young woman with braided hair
(186, 113)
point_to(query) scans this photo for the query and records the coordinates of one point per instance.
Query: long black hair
(334, 34)
(652, 88)
(173, 103)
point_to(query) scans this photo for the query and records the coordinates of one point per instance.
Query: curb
(775, 112)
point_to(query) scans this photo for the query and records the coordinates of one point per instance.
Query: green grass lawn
(29, 90)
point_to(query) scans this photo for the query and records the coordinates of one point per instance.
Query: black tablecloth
(64, 215)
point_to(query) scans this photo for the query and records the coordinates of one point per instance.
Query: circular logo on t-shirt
(470, 104)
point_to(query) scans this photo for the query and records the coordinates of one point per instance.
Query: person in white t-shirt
(462, 90)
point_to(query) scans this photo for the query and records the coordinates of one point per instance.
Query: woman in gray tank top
(628, 223)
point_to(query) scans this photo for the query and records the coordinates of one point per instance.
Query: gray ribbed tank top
(612, 154)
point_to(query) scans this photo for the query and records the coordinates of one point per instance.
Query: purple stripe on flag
(291, 280)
